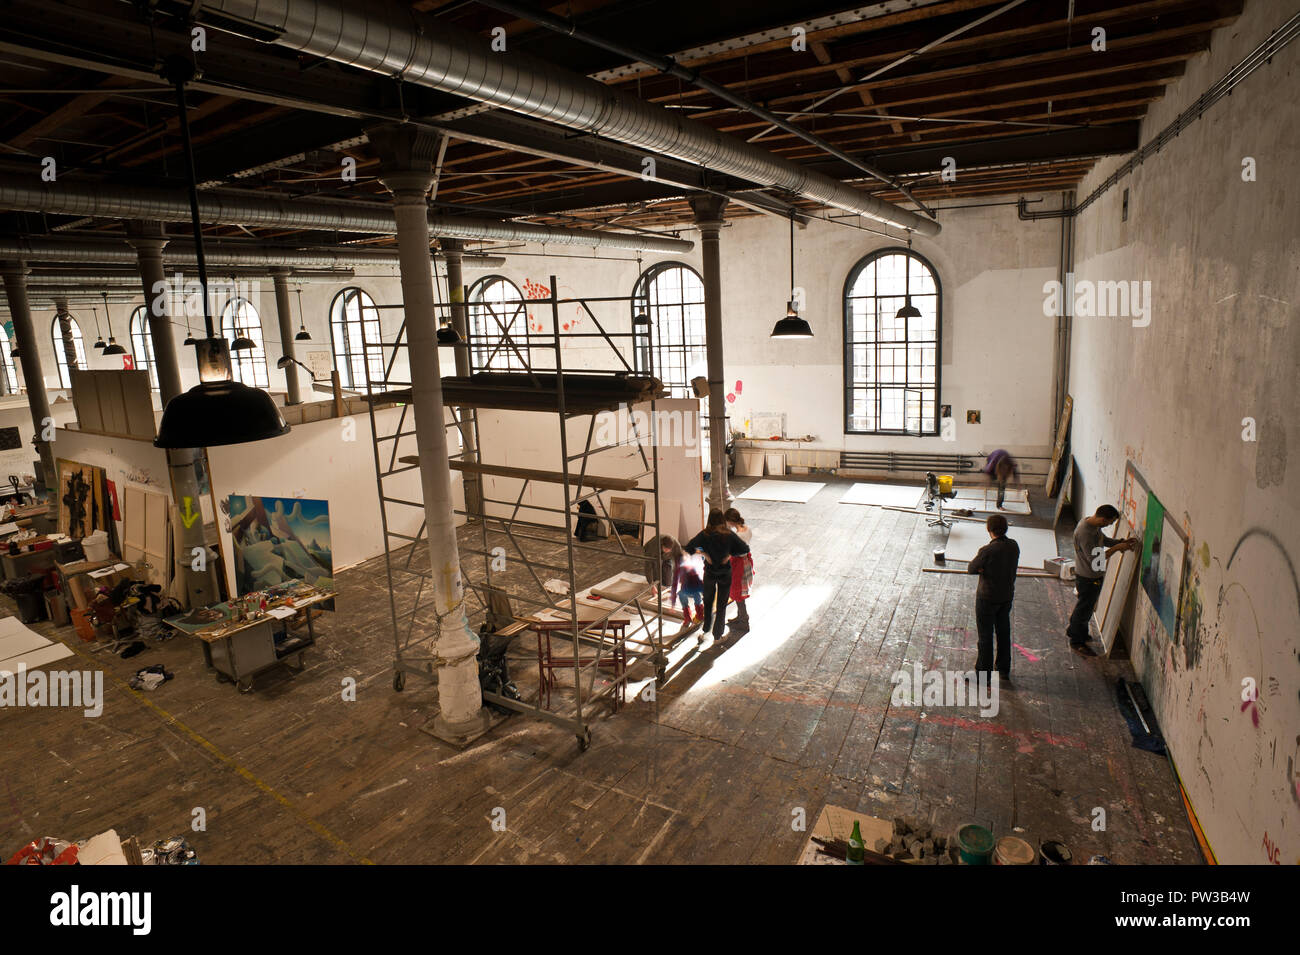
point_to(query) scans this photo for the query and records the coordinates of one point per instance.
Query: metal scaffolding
(519, 523)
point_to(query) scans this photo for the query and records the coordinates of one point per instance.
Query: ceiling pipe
(49, 249)
(669, 66)
(389, 39)
(98, 200)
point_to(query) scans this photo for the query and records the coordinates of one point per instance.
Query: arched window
(891, 363)
(142, 345)
(7, 365)
(672, 295)
(239, 317)
(497, 309)
(351, 313)
(60, 355)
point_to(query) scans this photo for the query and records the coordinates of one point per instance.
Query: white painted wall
(1223, 345)
(125, 461)
(319, 461)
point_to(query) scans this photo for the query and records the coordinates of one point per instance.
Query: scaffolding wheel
(399, 681)
(584, 740)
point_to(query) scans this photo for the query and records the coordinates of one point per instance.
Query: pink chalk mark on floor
(1027, 655)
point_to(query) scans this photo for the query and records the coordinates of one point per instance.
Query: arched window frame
(60, 356)
(142, 344)
(679, 334)
(10, 367)
(354, 324)
(248, 365)
(880, 398)
(489, 350)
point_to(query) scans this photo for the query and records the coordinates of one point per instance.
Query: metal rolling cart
(541, 385)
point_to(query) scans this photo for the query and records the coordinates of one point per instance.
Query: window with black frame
(354, 323)
(892, 302)
(60, 351)
(498, 325)
(671, 295)
(241, 323)
(142, 345)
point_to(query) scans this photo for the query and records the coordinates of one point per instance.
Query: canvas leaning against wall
(83, 501)
(278, 540)
(1163, 554)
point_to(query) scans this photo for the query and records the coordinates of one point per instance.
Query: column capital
(406, 155)
(280, 273)
(146, 237)
(708, 211)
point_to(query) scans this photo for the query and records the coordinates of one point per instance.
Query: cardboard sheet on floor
(985, 500)
(795, 492)
(883, 495)
(20, 645)
(1036, 544)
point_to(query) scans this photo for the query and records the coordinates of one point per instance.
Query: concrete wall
(1222, 346)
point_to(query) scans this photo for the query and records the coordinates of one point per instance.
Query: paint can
(1013, 851)
(1053, 852)
(974, 844)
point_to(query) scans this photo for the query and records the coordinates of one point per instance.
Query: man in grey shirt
(996, 564)
(1092, 549)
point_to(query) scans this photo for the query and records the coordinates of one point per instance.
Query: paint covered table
(240, 650)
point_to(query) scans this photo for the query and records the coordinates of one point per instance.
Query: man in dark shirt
(1092, 549)
(996, 564)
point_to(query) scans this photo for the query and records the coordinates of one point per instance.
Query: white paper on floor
(883, 495)
(973, 500)
(18, 644)
(797, 492)
(1037, 544)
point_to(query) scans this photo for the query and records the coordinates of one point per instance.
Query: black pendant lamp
(792, 326)
(447, 334)
(113, 348)
(908, 310)
(218, 410)
(99, 336)
(303, 335)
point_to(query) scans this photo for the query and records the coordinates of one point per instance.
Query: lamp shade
(447, 335)
(792, 326)
(113, 348)
(908, 310)
(214, 413)
(100, 343)
(242, 343)
(641, 320)
(302, 336)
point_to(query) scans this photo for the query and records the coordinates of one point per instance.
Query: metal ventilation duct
(390, 39)
(21, 194)
(181, 252)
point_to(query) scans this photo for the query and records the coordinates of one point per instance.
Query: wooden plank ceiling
(1022, 101)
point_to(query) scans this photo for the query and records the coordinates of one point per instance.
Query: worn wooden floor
(715, 769)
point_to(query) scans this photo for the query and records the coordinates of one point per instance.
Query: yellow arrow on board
(190, 515)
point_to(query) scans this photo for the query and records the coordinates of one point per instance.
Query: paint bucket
(974, 844)
(96, 546)
(1052, 852)
(945, 483)
(938, 555)
(1013, 851)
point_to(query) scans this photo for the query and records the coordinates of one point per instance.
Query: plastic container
(945, 483)
(1052, 852)
(96, 546)
(974, 844)
(1013, 851)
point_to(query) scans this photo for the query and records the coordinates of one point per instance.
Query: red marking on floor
(1027, 654)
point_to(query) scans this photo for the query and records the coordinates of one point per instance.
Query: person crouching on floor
(688, 587)
(742, 574)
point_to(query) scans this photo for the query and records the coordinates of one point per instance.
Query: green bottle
(855, 854)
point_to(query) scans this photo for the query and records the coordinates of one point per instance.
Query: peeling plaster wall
(1222, 346)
